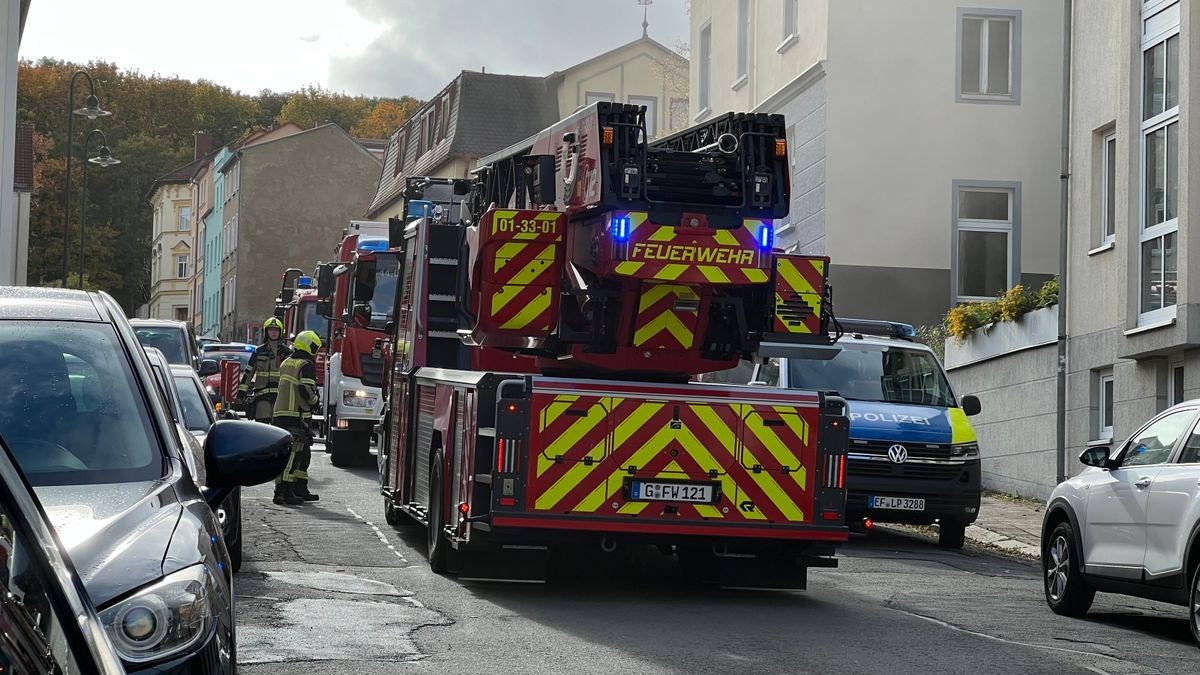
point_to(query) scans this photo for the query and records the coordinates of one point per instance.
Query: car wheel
(1194, 605)
(1067, 592)
(438, 546)
(952, 534)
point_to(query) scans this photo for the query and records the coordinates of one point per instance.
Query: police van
(913, 456)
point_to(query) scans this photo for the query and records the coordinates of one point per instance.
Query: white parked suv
(1130, 522)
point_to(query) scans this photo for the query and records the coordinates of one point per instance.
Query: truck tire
(362, 447)
(439, 548)
(952, 534)
(341, 448)
(1067, 592)
(392, 515)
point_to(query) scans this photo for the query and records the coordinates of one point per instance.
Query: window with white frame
(593, 97)
(705, 68)
(181, 266)
(1158, 236)
(989, 55)
(791, 19)
(984, 229)
(651, 104)
(1104, 405)
(185, 218)
(1108, 188)
(743, 42)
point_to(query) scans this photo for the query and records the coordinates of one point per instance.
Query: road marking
(379, 534)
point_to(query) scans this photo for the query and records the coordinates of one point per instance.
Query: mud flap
(522, 564)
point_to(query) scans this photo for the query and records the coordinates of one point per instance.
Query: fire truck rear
(551, 312)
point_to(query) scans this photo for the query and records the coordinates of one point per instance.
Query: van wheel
(952, 534)
(439, 553)
(1067, 592)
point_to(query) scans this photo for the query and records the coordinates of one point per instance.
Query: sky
(371, 47)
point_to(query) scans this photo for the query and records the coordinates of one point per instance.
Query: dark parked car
(175, 339)
(88, 427)
(47, 622)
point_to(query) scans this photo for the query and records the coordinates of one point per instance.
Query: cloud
(313, 37)
(425, 44)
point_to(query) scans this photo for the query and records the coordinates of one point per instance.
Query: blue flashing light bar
(892, 329)
(304, 282)
(372, 244)
(620, 228)
(418, 207)
(249, 348)
(766, 236)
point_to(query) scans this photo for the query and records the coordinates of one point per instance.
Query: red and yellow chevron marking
(524, 248)
(714, 257)
(661, 322)
(591, 445)
(799, 293)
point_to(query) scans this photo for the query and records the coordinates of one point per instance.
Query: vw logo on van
(898, 454)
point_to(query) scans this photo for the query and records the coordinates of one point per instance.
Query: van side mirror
(1097, 457)
(362, 315)
(324, 308)
(209, 367)
(325, 280)
(971, 406)
(545, 190)
(395, 232)
(288, 289)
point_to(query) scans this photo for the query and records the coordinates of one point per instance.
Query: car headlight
(965, 450)
(358, 398)
(166, 618)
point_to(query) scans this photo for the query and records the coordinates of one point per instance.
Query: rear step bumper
(825, 533)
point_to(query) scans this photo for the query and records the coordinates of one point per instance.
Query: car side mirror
(209, 367)
(239, 453)
(1098, 457)
(971, 406)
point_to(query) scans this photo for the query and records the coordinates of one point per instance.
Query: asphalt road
(329, 587)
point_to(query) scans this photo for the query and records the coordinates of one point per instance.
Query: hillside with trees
(151, 131)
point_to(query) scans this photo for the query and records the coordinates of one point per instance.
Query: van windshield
(876, 373)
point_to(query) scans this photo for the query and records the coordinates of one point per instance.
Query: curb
(987, 537)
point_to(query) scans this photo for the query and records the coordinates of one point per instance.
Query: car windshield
(70, 408)
(311, 320)
(195, 412)
(876, 373)
(375, 284)
(242, 356)
(172, 342)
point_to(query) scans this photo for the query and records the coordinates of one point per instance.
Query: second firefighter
(293, 411)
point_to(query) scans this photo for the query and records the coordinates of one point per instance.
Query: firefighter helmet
(273, 322)
(307, 341)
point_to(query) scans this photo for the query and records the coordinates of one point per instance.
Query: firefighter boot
(285, 494)
(301, 491)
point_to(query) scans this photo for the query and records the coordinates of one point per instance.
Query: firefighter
(260, 381)
(293, 412)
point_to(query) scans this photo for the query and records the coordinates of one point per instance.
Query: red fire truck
(551, 313)
(362, 285)
(301, 308)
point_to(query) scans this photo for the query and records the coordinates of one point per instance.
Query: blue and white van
(913, 456)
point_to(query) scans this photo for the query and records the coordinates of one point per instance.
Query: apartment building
(924, 138)
(173, 239)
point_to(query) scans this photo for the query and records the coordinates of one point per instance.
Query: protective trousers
(296, 469)
(263, 408)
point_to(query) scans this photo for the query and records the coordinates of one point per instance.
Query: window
(181, 266)
(185, 218)
(1158, 237)
(592, 97)
(705, 69)
(1153, 444)
(984, 232)
(157, 219)
(651, 104)
(1104, 406)
(679, 113)
(181, 313)
(1175, 386)
(1108, 189)
(989, 48)
(402, 153)
(743, 43)
(196, 415)
(791, 12)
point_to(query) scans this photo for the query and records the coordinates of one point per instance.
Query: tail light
(500, 455)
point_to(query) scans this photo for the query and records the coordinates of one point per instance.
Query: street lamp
(103, 159)
(91, 110)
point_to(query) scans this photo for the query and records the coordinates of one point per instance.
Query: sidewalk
(1009, 523)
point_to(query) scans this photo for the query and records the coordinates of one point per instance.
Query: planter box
(1035, 329)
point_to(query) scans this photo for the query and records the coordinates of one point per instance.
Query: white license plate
(896, 503)
(671, 492)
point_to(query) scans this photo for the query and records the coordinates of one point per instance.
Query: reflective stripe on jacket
(297, 388)
(261, 376)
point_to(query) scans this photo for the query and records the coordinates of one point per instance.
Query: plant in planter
(964, 319)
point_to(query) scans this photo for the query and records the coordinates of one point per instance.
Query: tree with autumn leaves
(151, 131)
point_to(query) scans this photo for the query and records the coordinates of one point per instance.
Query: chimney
(204, 144)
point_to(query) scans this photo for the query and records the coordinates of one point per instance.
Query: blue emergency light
(249, 348)
(304, 282)
(766, 236)
(620, 228)
(372, 244)
(419, 207)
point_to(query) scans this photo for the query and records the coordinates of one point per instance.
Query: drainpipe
(1064, 181)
